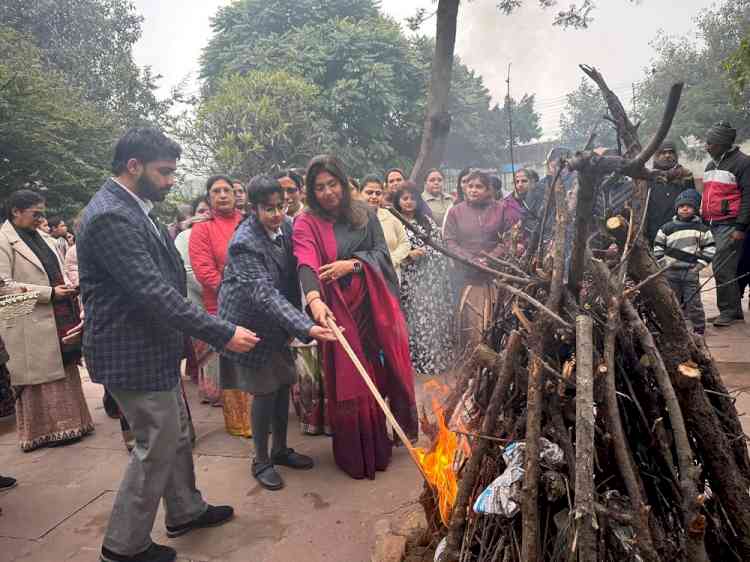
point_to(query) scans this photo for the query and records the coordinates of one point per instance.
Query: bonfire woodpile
(604, 430)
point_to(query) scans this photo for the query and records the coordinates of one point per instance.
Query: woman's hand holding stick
(376, 394)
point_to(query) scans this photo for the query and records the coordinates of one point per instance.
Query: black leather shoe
(293, 460)
(267, 476)
(154, 553)
(6, 483)
(214, 516)
(110, 406)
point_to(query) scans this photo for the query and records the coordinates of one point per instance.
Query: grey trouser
(161, 466)
(685, 284)
(725, 261)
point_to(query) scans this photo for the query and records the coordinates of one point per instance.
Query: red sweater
(209, 243)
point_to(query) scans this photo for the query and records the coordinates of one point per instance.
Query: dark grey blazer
(133, 292)
(260, 291)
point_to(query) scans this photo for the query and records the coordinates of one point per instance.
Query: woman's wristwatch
(357, 265)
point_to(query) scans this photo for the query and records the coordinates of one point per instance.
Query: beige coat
(396, 238)
(31, 340)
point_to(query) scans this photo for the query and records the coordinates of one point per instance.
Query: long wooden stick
(376, 394)
(584, 502)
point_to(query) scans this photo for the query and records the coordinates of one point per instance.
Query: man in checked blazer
(136, 315)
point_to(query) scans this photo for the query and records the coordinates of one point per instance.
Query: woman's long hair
(354, 212)
(459, 190)
(422, 212)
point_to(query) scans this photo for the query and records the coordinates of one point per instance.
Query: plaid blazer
(260, 291)
(133, 290)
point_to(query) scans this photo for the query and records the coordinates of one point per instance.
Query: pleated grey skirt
(277, 372)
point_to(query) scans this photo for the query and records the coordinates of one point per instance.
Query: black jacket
(661, 202)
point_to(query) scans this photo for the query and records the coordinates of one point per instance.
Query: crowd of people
(247, 284)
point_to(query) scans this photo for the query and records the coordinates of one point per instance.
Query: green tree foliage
(256, 122)
(707, 97)
(50, 137)
(738, 67)
(238, 26)
(585, 109)
(371, 80)
(90, 42)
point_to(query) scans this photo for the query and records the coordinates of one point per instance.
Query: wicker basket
(17, 304)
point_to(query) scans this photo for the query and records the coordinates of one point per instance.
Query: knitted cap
(688, 197)
(721, 133)
(667, 145)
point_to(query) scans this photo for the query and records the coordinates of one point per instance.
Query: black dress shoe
(110, 406)
(154, 553)
(214, 516)
(293, 459)
(6, 483)
(267, 476)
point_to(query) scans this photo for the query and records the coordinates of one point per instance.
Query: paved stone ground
(60, 508)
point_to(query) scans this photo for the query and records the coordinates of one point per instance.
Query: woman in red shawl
(346, 274)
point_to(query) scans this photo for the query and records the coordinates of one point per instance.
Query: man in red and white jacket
(726, 209)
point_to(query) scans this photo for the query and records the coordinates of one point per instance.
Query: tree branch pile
(605, 433)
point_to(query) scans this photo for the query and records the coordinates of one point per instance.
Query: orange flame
(438, 463)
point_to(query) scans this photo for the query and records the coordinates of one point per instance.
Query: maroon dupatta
(314, 246)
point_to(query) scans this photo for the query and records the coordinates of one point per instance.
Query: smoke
(545, 58)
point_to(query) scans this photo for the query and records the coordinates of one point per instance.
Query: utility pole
(510, 128)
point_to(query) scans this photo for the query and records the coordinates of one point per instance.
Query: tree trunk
(437, 121)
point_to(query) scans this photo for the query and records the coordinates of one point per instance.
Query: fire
(438, 463)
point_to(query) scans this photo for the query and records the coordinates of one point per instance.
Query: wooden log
(692, 502)
(584, 469)
(503, 366)
(584, 209)
(633, 482)
(530, 547)
(719, 436)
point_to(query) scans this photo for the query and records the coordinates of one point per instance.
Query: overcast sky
(544, 58)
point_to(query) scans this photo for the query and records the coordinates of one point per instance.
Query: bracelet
(313, 300)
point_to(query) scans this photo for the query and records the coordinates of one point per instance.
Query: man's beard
(148, 190)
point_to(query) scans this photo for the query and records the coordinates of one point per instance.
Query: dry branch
(662, 472)
(505, 374)
(584, 485)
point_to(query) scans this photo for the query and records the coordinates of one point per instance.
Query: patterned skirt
(475, 309)
(208, 376)
(308, 393)
(52, 412)
(237, 413)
